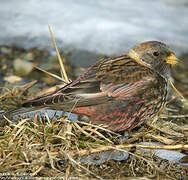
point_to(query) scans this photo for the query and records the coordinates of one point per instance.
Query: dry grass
(48, 148)
(42, 147)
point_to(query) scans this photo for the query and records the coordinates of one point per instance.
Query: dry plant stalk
(50, 74)
(177, 92)
(122, 147)
(65, 78)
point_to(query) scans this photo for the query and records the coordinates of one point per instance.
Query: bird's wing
(108, 79)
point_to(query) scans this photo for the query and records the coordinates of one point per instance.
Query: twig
(107, 148)
(84, 132)
(165, 129)
(50, 74)
(177, 92)
(98, 127)
(137, 136)
(161, 139)
(59, 57)
(174, 116)
(26, 87)
(75, 162)
(51, 160)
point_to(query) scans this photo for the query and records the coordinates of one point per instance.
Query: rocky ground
(52, 148)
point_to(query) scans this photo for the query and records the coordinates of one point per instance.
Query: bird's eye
(156, 53)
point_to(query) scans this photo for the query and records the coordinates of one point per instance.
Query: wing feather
(107, 79)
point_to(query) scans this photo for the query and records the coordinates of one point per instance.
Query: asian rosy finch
(120, 93)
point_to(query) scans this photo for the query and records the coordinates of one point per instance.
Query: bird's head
(155, 55)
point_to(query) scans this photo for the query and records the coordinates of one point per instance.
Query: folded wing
(108, 79)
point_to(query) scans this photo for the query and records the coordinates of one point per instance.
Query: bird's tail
(13, 114)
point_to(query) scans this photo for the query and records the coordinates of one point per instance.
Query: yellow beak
(172, 59)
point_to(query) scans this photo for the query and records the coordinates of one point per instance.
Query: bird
(117, 93)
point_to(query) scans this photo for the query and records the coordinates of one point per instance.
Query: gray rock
(170, 155)
(104, 156)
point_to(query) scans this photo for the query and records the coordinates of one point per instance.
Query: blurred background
(94, 28)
